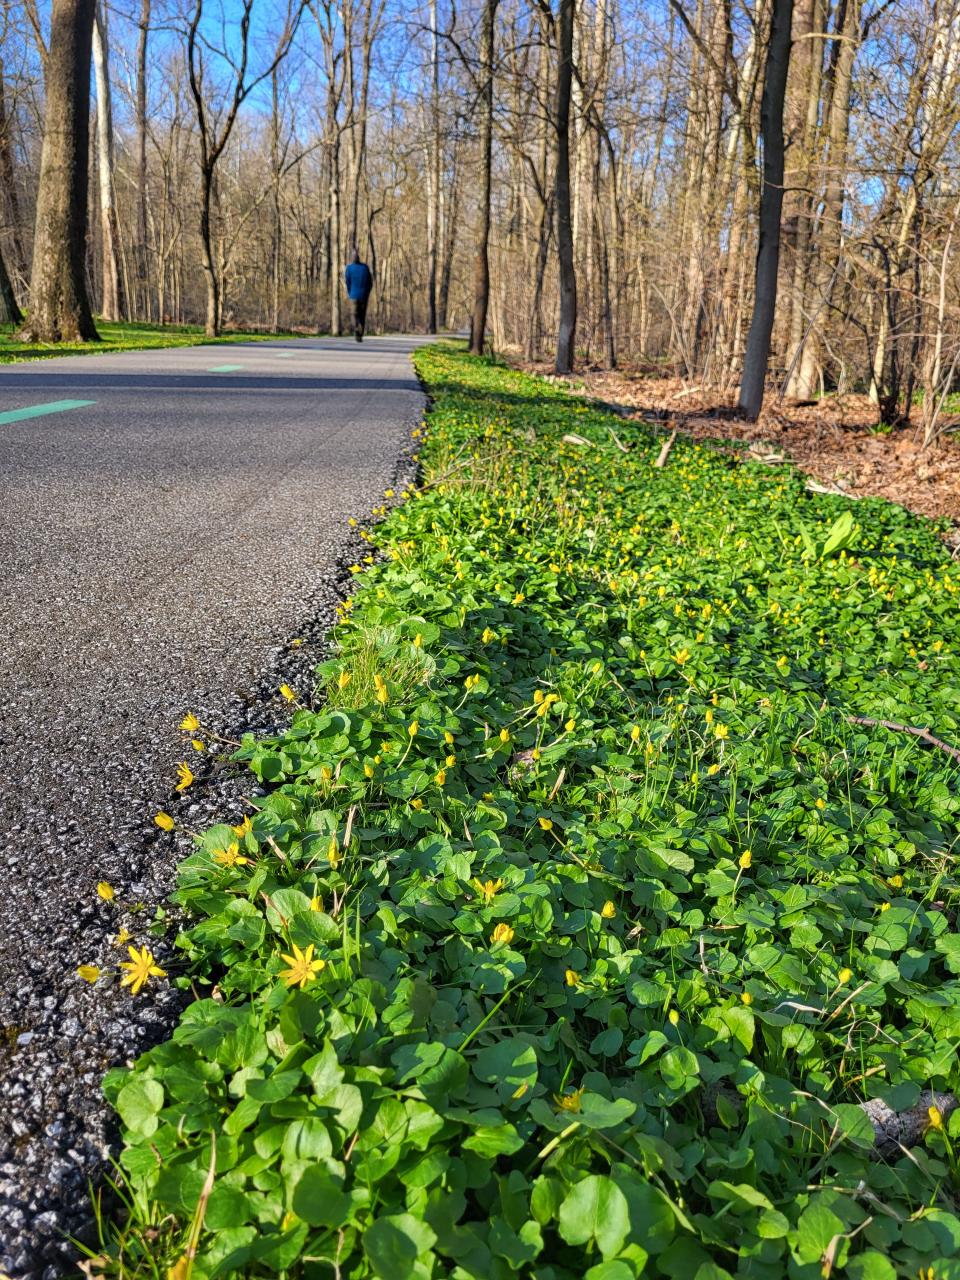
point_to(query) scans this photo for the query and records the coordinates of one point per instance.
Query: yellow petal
(106, 891)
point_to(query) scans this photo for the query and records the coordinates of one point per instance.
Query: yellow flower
(487, 636)
(368, 770)
(190, 723)
(440, 777)
(546, 824)
(333, 851)
(243, 828)
(895, 882)
(674, 1017)
(106, 891)
(184, 776)
(519, 598)
(450, 761)
(844, 976)
(714, 768)
(608, 910)
(746, 997)
(388, 493)
(721, 731)
(141, 967)
(504, 735)
(635, 733)
(487, 890)
(569, 1101)
(571, 978)
(745, 860)
(413, 727)
(416, 803)
(88, 972)
(821, 803)
(288, 693)
(303, 967)
(502, 933)
(418, 640)
(885, 906)
(537, 697)
(316, 903)
(326, 773)
(230, 856)
(570, 725)
(936, 1117)
(448, 738)
(122, 938)
(343, 679)
(681, 656)
(164, 821)
(382, 694)
(196, 744)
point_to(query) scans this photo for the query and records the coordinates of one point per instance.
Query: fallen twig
(617, 441)
(664, 453)
(570, 438)
(924, 734)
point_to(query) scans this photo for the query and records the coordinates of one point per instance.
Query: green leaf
(394, 1243)
(491, 1142)
(595, 1209)
(138, 1103)
(319, 1199)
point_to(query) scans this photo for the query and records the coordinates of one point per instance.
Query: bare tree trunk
(771, 204)
(433, 207)
(566, 335)
(9, 311)
(113, 300)
(453, 221)
(141, 255)
(8, 186)
(59, 307)
(481, 269)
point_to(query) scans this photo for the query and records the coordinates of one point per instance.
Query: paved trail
(168, 521)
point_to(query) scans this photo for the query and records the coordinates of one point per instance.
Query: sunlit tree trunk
(481, 265)
(113, 301)
(771, 204)
(567, 332)
(59, 307)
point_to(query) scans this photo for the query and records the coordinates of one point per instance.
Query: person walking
(359, 283)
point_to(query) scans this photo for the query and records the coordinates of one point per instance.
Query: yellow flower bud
(608, 910)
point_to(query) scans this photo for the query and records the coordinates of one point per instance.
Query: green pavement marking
(224, 368)
(40, 410)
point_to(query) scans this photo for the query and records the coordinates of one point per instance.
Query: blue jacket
(359, 281)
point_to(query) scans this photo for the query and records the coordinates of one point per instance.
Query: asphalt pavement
(171, 523)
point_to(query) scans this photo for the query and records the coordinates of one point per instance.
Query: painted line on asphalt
(224, 368)
(41, 410)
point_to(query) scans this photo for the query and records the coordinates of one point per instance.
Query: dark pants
(359, 316)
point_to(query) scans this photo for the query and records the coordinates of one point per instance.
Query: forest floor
(122, 337)
(835, 441)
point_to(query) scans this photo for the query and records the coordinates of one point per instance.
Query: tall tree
(771, 204)
(481, 265)
(113, 307)
(214, 126)
(567, 331)
(141, 253)
(59, 307)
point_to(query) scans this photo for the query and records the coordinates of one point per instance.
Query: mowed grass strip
(572, 920)
(127, 336)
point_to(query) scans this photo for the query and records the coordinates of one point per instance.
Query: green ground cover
(578, 919)
(120, 337)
